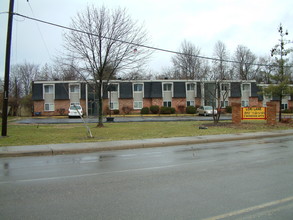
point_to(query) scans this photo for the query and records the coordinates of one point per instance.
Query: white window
(245, 87)
(244, 103)
(49, 107)
(137, 105)
(137, 87)
(74, 88)
(48, 89)
(190, 87)
(113, 87)
(224, 104)
(167, 103)
(167, 87)
(114, 106)
(190, 103)
(225, 87)
(284, 106)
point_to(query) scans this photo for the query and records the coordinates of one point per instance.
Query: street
(249, 179)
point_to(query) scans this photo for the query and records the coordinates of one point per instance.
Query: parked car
(75, 111)
(206, 110)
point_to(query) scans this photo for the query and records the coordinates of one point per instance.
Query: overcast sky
(252, 23)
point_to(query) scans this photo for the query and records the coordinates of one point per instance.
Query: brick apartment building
(55, 97)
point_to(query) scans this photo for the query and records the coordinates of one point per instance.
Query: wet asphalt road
(51, 120)
(229, 180)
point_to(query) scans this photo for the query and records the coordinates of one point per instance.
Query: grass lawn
(77, 133)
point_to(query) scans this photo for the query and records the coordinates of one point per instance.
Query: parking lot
(117, 119)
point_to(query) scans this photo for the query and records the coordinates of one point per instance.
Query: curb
(76, 148)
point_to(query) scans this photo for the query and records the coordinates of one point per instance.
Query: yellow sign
(254, 113)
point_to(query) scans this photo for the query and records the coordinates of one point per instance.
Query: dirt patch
(220, 124)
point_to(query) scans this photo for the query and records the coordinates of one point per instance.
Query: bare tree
(46, 73)
(137, 75)
(169, 73)
(221, 68)
(244, 66)
(15, 93)
(21, 77)
(265, 71)
(216, 94)
(67, 70)
(204, 70)
(25, 73)
(186, 63)
(107, 42)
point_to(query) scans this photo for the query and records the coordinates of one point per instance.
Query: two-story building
(55, 97)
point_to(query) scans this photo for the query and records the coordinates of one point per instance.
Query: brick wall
(236, 113)
(177, 102)
(277, 103)
(253, 102)
(125, 104)
(61, 107)
(234, 100)
(158, 102)
(290, 104)
(83, 105)
(150, 102)
(38, 106)
(271, 113)
(197, 101)
(147, 102)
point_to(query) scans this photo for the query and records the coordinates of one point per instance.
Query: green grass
(77, 133)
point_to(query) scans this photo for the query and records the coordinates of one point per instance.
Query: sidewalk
(73, 148)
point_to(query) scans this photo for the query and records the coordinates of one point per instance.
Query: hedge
(155, 109)
(190, 110)
(144, 111)
(167, 110)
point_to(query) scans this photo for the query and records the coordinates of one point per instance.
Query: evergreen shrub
(190, 110)
(228, 109)
(167, 110)
(144, 111)
(155, 109)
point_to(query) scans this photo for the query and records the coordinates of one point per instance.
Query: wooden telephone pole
(7, 69)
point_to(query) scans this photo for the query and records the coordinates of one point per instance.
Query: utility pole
(7, 69)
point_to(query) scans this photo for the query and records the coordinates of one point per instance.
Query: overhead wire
(141, 45)
(40, 32)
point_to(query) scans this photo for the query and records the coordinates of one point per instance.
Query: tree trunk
(280, 109)
(100, 105)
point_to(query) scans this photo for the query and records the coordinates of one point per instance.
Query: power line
(42, 37)
(144, 46)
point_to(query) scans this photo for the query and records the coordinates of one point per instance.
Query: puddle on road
(190, 149)
(284, 146)
(5, 170)
(106, 156)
